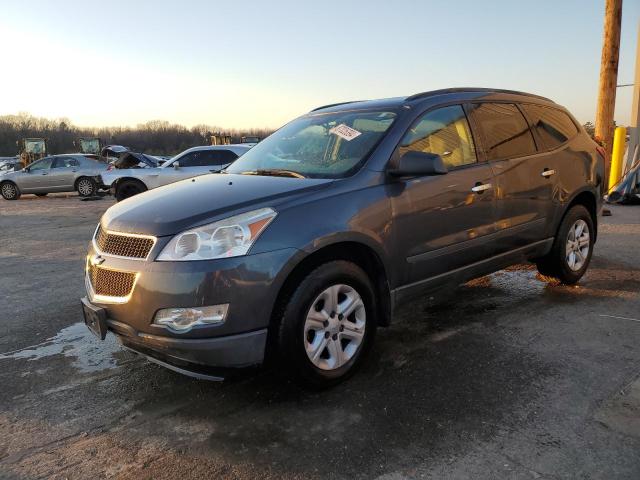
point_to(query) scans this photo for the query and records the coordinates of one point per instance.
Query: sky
(261, 63)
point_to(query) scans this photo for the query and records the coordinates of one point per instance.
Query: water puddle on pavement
(88, 354)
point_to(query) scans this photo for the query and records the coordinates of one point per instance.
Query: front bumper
(204, 358)
(249, 284)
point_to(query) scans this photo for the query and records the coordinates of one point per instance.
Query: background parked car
(125, 183)
(9, 164)
(56, 173)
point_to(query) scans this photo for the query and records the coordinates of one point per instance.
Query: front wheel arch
(128, 180)
(355, 252)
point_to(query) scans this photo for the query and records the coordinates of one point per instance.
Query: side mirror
(26, 169)
(414, 163)
(176, 165)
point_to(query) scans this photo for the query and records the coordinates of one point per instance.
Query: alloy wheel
(335, 326)
(8, 190)
(578, 245)
(85, 188)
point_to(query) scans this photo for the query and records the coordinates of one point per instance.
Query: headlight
(231, 237)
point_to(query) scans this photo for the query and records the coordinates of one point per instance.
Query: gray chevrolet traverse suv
(309, 241)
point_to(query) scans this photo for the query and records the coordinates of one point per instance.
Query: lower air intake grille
(111, 283)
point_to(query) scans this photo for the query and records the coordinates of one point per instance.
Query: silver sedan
(56, 173)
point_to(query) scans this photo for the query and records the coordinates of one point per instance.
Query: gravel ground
(506, 377)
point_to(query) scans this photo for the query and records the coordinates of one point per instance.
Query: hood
(196, 201)
(132, 159)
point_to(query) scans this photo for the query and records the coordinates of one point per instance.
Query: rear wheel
(327, 325)
(572, 248)
(9, 191)
(129, 188)
(86, 187)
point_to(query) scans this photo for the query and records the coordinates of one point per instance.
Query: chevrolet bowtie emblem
(97, 260)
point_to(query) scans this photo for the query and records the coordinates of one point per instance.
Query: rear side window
(65, 162)
(553, 126)
(505, 131)
(444, 131)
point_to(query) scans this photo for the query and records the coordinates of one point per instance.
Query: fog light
(184, 319)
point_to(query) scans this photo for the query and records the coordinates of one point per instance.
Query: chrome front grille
(123, 244)
(110, 283)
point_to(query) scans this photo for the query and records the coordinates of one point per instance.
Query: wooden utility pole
(608, 77)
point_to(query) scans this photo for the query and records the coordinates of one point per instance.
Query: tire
(568, 260)
(303, 333)
(9, 191)
(41, 194)
(86, 187)
(129, 188)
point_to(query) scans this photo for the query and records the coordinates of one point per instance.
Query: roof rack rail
(335, 104)
(472, 89)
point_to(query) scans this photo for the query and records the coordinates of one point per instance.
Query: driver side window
(444, 131)
(43, 164)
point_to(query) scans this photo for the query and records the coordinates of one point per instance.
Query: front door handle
(547, 173)
(480, 187)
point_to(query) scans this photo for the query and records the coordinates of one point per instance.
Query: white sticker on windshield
(343, 131)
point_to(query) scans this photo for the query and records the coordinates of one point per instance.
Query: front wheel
(327, 325)
(129, 188)
(572, 248)
(87, 187)
(9, 191)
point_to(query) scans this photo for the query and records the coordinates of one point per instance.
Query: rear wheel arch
(587, 199)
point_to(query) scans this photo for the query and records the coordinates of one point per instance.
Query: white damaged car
(125, 183)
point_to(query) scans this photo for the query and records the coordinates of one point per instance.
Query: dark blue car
(311, 239)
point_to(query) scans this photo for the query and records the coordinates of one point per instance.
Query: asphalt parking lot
(506, 377)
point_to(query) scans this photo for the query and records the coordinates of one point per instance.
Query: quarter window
(505, 131)
(444, 131)
(553, 126)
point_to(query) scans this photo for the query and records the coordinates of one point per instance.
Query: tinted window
(206, 158)
(43, 164)
(225, 157)
(554, 126)
(444, 131)
(505, 131)
(63, 162)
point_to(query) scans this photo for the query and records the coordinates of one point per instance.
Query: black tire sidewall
(127, 184)
(565, 274)
(291, 348)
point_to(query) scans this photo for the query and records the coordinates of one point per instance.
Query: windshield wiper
(274, 172)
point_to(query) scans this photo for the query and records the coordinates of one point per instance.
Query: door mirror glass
(414, 163)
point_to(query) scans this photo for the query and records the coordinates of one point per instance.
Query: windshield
(331, 145)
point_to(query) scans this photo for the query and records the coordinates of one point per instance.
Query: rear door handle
(547, 173)
(480, 187)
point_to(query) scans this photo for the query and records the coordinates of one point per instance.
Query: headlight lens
(231, 237)
(184, 319)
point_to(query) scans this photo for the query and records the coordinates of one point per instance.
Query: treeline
(154, 137)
